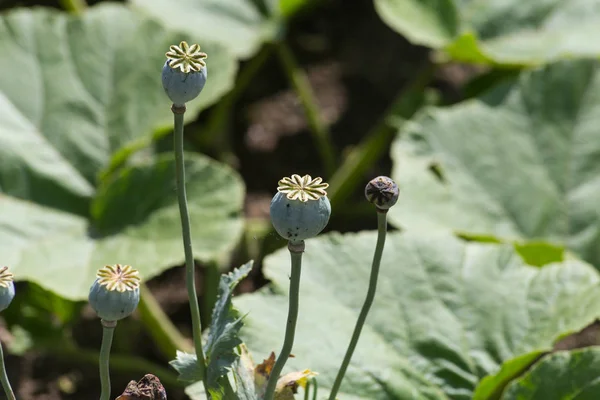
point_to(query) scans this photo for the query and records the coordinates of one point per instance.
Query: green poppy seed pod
(7, 288)
(115, 293)
(383, 192)
(184, 73)
(300, 209)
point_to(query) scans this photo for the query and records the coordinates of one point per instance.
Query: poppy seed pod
(115, 293)
(383, 192)
(7, 288)
(300, 209)
(184, 73)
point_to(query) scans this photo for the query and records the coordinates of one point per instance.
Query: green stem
(165, 335)
(316, 385)
(10, 395)
(210, 283)
(178, 112)
(363, 156)
(74, 6)
(296, 250)
(213, 135)
(108, 329)
(381, 233)
(301, 85)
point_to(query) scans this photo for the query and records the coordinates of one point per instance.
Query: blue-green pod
(115, 293)
(300, 209)
(7, 288)
(184, 73)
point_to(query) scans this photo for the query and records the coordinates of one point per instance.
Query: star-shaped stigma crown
(118, 277)
(302, 188)
(5, 277)
(187, 58)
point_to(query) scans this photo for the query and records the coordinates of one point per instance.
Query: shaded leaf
(187, 366)
(446, 314)
(223, 336)
(222, 340)
(562, 375)
(237, 24)
(498, 31)
(519, 164)
(75, 90)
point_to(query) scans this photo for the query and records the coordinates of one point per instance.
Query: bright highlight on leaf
(303, 188)
(119, 277)
(187, 58)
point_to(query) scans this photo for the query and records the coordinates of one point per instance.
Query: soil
(356, 66)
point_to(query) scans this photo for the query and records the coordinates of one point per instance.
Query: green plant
(488, 284)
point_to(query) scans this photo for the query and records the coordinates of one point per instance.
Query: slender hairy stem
(10, 395)
(165, 335)
(190, 282)
(381, 233)
(296, 251)
(302, 86)
(108, 329)
(74, 6)
(316, 385)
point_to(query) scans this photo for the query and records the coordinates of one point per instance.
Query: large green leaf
(135, 220)
(519, 164)
(560, 376)
(238, 24)
(446, 314)
(75, 90)
(499, 31)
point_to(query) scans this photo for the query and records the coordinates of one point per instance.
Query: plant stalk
(381, 234)
(301, 85)
(178, 112)
(296, 250)
(165, 335)
(108, 329)
(10, 395)
(377, 141)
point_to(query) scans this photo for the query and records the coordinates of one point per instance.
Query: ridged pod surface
(7, 288)
(300, 209)
(115, 293)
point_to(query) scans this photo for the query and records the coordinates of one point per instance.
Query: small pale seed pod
(382, 192)
(115, 293)
(7, 288)
(184, 73)
(300, 209)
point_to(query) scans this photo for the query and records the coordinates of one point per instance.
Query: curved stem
(10, 395)
(381, 233)
(108, 328)
(305, 93)
(190, 281)
(165, 335)
(296, 251)
(349, 174)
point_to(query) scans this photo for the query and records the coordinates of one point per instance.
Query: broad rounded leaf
(446, 314)
(499, 31)
(562, 375)
(520, 163)
(134, 220)
(75, 90)
(238, 24)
